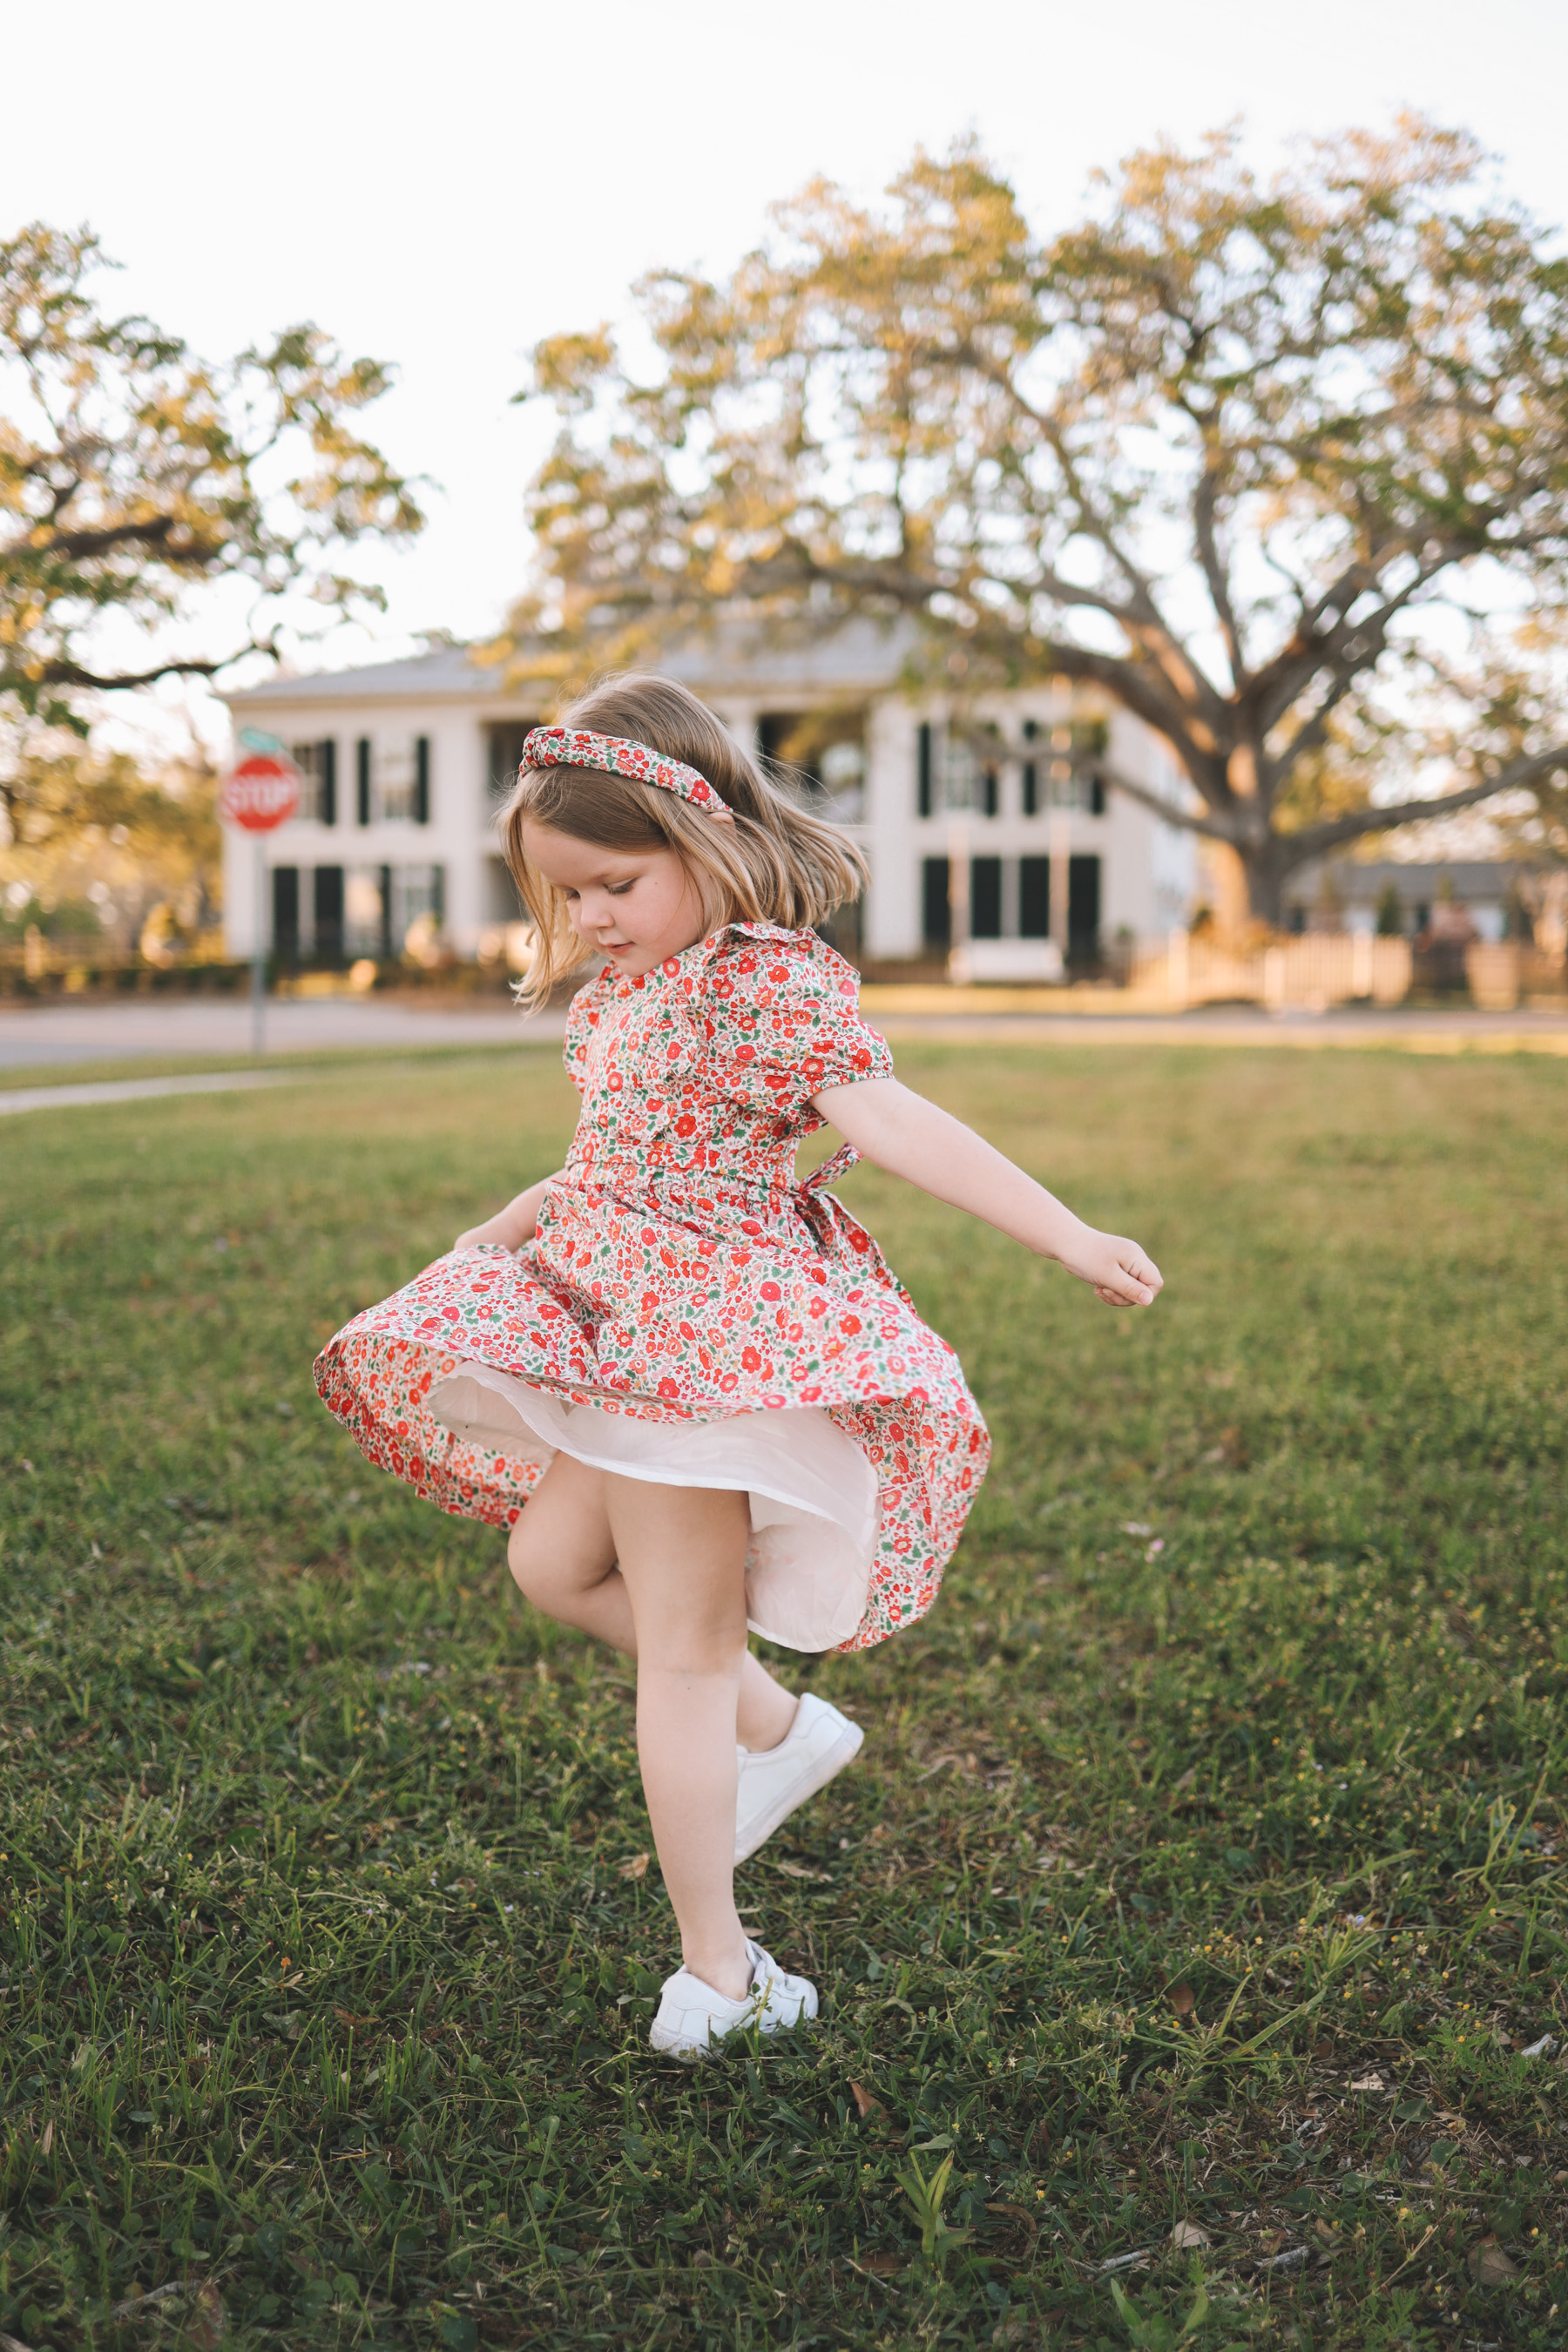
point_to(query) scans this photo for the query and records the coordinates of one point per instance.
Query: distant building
(1345, 894)
(406, 762)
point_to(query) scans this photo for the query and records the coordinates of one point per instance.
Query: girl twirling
(700, 1376)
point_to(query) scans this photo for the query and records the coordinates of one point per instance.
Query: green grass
(1227, 1775)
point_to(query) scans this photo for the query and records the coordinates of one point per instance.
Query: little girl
(719, 1406)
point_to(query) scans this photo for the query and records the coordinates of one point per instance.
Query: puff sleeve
(782, 1019)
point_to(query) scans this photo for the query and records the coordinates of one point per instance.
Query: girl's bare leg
(683, 1553)
(563, 1556)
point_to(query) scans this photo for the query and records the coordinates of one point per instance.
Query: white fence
(1311, 973)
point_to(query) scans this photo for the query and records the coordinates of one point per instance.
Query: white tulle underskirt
(812, 1492)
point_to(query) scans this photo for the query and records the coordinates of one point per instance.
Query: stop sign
(262, 789)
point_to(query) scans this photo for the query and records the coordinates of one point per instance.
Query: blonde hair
(774, 863)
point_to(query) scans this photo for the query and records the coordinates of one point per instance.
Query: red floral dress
(680, 1277)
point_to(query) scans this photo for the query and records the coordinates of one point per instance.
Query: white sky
(441, 186)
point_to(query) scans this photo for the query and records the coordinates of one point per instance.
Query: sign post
(261, 792)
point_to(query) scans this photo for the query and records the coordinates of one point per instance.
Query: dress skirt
(812, 1493)
(689, 1312)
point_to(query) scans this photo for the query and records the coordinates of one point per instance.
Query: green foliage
(1155, 2331)
(1227, 1774)
(1219, 451)
(96, 842)
(938, 2239)
(132, 473)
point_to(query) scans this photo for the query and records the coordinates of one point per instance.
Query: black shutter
(286, 913)
(1083, 905)
(922, 793)
(327, 889)
(422, 780)
(1031, 773)
(385, 913)
(1097, 796)
(937, 912)
(991, 793)
(327, 780)
(362, 768)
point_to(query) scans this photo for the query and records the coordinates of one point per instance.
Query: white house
(997, 817)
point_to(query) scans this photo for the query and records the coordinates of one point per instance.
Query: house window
(362, 780)
(417, 896)
(985, 898)
(398, 780)
(936, 914)
(318, 766)
(367, 911)
(923, 768)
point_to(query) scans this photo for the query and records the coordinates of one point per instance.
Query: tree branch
(68, 673)
(1313, 839)
(1204, 503)
(75, 545)
(1167, 810)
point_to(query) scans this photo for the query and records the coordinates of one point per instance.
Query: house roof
(1357, 883)
(857, 656)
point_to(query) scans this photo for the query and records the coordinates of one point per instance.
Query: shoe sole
(843, 1750)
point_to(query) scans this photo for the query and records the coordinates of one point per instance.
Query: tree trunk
(1231, 885)
(1260, 876)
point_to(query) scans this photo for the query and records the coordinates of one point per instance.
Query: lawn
(1190, 1933)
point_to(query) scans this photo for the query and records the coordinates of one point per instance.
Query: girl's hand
(511, 1226)
(1118, 1273)
(494, 1229)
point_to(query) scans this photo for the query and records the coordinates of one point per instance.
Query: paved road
(37, 1036)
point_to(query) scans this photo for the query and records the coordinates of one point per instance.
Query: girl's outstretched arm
(513, 1225)
(906, 1136)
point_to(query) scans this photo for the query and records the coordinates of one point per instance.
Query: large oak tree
(1282, 468)
(135, 476)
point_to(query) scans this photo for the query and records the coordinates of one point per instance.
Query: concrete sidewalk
(39, 1036)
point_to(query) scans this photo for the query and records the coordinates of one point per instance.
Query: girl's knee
(548, 1573)
(531, 1568)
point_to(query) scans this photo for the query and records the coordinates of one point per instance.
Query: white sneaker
(692, 2017)
(774, 1780)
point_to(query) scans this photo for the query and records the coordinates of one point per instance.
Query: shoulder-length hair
(776, 863)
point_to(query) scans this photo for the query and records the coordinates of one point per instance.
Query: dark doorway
(505, 751)
(774, 731)
(1083, 906)
(286, 913)
(936, 914)
(327, 896)
(1033, 898)
(985, 898)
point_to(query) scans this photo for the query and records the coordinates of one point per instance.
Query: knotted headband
(577, 747)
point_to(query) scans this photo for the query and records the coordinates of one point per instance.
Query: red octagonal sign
(262, 789)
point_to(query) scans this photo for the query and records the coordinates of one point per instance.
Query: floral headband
(576, 747)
